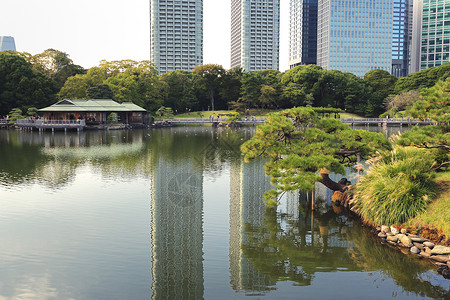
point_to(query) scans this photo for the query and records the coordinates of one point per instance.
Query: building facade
(355, 35)
(402, 37)
(431, 34)
(255, 34)
(176, 34)
(302, 32)
(7, 43)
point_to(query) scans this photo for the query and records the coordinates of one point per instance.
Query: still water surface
(176, 214)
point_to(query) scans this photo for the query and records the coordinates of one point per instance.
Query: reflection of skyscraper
(248, 184)
(177, 237)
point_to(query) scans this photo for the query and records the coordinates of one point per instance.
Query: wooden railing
(51, 123)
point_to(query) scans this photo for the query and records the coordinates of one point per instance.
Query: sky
(93, 30)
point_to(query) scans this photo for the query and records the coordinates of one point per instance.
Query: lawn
(437, 216)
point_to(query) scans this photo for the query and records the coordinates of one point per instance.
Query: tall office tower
(416, 36)
(355, 35)
(255, 34)
(7, 43)
(176, 34)
(302, 32)
(433, 36)
(402, 35)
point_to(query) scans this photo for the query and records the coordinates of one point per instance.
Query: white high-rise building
(7, 43)
(355, 36)
(255, 34)
(176, 34)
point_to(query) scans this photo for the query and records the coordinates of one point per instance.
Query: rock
(440, 258)
(404, 231)
(424, 254)
(417, 239)
(389, 234)
(415, 250)
(440, 250)
(400, 236)
(406, 242)
(378, 228)
(405, 250)
(392, 238)
(428, 250)
(385, 229)
(444, 271)
(394, 230)
(382, 235)
(419, 245)
(448, 264)
(429, 245)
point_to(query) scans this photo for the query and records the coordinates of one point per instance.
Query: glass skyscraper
(255, 34)
(435, 33)
(355, 35)
(176, 34)
(401, 34)
(7, 43)
(302, 32)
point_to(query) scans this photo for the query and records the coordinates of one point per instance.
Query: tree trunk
(333, 185)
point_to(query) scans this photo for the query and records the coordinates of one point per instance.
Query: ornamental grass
(398, 186)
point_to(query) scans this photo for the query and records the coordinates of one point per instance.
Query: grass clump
(398, 186)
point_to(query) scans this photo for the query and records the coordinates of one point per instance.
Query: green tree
(250, 89)
(231, 87)
(302, 149)
(56, 65)
(382, 84)
(209, 78)
(20, 86)
(422, 79)
(100, 91)
(179, 91)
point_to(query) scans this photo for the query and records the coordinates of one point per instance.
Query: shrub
(398, 186)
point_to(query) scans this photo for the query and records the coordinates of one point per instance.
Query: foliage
(436, 216)
(422, 79)
(382, 85)
(179, 91)
(435, 104)
(397, 104)
(100, 91)
(32, 112)
(20, 86)
(298, 145)
(56, 65)
(209, 78)
(398, 186)
(15, 114)
(166, 112)
(112, 118)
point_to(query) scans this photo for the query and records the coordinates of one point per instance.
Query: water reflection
(287, 247)
(177, 231)
(121, 214)
(247, 185)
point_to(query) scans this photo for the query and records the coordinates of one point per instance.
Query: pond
(176, 214)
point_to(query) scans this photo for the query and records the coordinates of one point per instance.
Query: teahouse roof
(92, 105)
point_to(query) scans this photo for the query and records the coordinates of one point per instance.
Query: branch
(347, 153)
(424, 145)
(441, 165)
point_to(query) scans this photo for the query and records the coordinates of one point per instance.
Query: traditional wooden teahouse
(95, 111)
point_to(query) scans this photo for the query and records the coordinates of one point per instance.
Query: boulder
(417, 239)
(428, 250)
(440, 258)
(424, 254)
(394, 230)
(404, 231)
(428, 244)
(440, 250)
(448, 264)
(419, 245)
(392, 238)
(406, 242)
(415, 250)
(382, 235)
(385, 229)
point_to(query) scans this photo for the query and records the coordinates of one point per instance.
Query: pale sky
(92, 30)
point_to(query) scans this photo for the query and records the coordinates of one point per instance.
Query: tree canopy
(302, 149)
